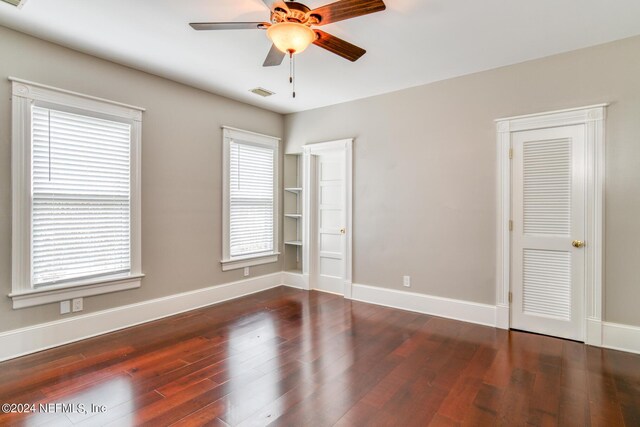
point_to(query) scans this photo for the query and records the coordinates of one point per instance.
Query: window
(76, 198)
(250, 199)
(80, 218)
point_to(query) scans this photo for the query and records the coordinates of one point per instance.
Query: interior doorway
(550, 223)
(328, 229)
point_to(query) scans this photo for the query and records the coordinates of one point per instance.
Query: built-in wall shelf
(293, 211)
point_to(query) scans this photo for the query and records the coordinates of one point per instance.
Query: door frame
(309, 223)
(593, 118)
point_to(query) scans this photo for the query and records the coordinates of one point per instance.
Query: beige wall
(181, 170)
(425, 171)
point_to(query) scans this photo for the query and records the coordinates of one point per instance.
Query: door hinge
(511, 153)
(510, 296)
(510, 225)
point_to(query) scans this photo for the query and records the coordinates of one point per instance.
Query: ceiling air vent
(262, 92)
(17, 3)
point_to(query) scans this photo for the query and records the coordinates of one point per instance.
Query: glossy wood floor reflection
(292, 358)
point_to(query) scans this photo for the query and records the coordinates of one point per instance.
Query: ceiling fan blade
(207, 26)
(346, 9)
(274, 57)
(274, 4)
(338, 46)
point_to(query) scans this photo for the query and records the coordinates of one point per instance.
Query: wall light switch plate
(246, 271)
(77, 304)
(65, 307)
(406, 281)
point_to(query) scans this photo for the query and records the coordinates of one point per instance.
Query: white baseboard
(19, 342)
(295, 280)
(466, 311)
(621, 337)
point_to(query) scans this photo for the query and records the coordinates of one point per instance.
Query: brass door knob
(577, 243)
(343, 230)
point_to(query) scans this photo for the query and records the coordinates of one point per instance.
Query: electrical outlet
(246, 271)
(406, 281)
(65, 307)
(77, 304)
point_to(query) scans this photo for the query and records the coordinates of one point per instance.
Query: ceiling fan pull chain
(292, 72)
(290, 67)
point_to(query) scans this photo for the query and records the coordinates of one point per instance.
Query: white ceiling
(413, 42)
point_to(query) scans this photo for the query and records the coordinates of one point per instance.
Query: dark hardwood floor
(294, 358)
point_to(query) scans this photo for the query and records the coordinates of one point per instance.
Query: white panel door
(548, 261)
(330, 240)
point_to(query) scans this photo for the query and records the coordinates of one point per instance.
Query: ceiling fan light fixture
(17, 3)
(291, 37)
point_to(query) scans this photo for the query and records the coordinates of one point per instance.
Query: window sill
(248, 261)
(64, 292)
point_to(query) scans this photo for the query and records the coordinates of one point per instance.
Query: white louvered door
(548, 196)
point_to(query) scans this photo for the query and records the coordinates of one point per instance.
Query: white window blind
(251, 199)
(81, 207)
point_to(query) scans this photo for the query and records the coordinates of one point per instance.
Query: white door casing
(592, 118)
(548, 213)
(327, 234)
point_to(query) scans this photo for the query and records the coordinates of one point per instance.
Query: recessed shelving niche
(293, 214)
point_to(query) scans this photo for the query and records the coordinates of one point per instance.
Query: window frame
(26, 94)
(241, 136)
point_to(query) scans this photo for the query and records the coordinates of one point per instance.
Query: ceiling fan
(289, 27)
